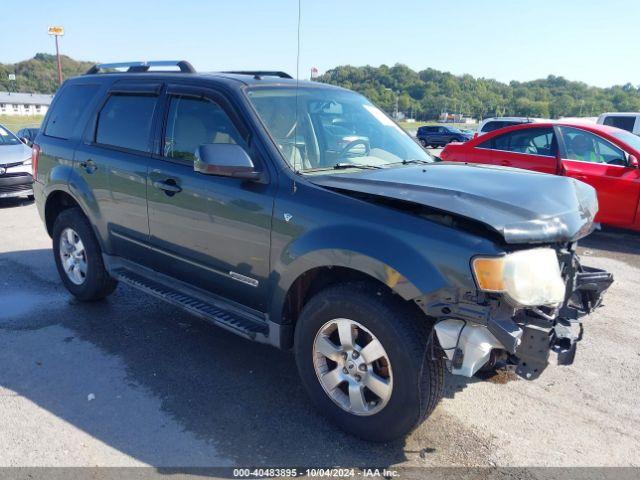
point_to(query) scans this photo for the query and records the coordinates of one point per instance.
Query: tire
(95, 283)
(417, 380)
(423, 143)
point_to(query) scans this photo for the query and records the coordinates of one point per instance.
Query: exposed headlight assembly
(527, 277)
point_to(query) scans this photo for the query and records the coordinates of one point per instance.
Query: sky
(594, 41)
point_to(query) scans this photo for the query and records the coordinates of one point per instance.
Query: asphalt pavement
(133, 381)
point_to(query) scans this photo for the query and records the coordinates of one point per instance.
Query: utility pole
(57, 31)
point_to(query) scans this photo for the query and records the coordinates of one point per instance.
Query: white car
(494, 123)
(15, 166)
(629, 121)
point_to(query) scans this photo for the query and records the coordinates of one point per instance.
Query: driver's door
(209, 231)
(605, 167)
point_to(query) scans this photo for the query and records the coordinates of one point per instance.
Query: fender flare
(65, 179)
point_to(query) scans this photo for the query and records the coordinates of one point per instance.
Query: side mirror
(633, 161)
(24, 140)
(225, 160)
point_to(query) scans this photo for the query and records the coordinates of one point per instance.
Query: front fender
(373, 252)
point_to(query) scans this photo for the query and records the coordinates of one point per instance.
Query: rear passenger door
(209, 231)
(528, 148)
(113, 163)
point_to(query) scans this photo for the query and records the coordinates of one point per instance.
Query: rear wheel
(424, 143)
(363, 357)
(78, 257)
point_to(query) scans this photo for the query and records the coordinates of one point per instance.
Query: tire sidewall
(75, 219)
(402, 412)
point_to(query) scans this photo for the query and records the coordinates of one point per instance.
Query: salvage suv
(222, 194)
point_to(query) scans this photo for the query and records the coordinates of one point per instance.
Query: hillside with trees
(39, 74)
(423, 95)
(427, 93)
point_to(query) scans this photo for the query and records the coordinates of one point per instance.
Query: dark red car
(602, 156)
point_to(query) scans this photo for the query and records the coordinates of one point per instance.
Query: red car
(602, 156)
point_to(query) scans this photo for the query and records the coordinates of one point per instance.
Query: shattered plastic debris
(90, 397)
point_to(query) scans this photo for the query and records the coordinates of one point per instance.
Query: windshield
(8, 138)
(629, 138)
(333, 129)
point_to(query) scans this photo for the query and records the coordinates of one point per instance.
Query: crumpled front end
(483, 332)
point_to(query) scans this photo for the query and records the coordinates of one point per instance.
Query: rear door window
(623, 122)
(532, 141)
(67, 110)
(125, 122)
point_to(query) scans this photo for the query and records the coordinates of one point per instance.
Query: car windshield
(7, 138)
(454, 130)
(319, 129)
(629, 138)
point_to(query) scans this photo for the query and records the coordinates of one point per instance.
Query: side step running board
(243, 325)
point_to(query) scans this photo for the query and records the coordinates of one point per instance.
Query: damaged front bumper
(480, 334)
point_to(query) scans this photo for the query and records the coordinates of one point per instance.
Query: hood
(14, 153)
(522, 206)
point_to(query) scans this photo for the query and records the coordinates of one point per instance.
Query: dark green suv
(226, 194)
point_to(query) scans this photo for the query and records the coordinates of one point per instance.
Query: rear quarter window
(625, 123)
(68, 109)
(491, 126)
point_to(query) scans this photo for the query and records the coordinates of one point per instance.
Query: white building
(12, 103)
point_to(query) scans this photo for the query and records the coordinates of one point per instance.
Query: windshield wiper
(340, 166)
(411, 162)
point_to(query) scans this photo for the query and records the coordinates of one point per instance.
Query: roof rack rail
(257, 74)
(137, 67)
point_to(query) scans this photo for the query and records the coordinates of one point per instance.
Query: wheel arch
(59, 200)
(316, 270)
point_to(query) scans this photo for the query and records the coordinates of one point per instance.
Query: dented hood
(522, 206)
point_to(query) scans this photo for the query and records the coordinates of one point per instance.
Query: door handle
(89, 166)
(168, 186)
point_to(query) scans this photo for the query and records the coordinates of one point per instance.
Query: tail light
(35, 153)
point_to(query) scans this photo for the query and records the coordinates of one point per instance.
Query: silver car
(15, 166)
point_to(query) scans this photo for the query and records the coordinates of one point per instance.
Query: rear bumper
(491, 333)
(16, 185)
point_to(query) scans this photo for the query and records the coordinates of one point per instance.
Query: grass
(412, 127)
(15, 123)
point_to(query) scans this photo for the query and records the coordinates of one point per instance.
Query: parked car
(28, 135)
(440, 135)
(604, 157)
(495, 123)
(629, 121)
(216, 193)
(15, 166)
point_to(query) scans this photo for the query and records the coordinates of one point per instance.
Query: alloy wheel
(352, 367)
(73, 256)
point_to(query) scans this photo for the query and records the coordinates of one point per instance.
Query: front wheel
(364, 358)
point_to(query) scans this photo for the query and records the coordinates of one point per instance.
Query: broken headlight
(527, 277)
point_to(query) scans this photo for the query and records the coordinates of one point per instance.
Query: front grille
(9, 165)
(15, 188)
(15, 174)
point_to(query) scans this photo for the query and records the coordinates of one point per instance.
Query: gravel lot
(133, 381)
